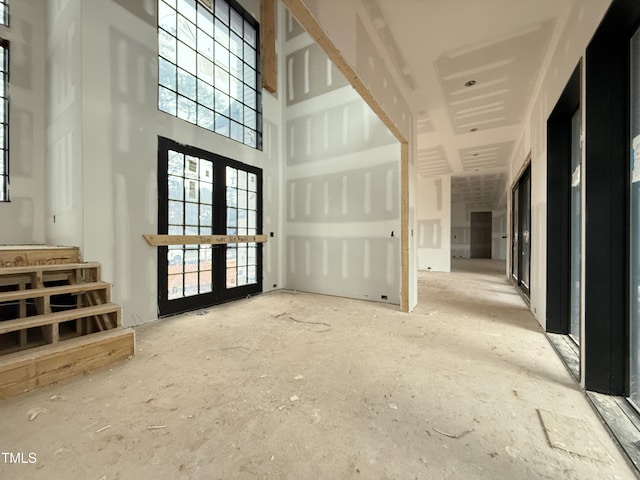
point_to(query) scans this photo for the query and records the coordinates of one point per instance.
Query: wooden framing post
(404, 222)
(268, 45)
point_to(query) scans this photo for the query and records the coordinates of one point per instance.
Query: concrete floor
(297, 386)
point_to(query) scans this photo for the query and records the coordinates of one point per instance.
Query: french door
(201, 193)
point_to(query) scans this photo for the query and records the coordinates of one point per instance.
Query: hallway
(298, 386)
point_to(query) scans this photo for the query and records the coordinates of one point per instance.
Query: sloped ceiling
(469, 69)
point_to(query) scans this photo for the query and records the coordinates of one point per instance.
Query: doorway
(575, 302)
(201, 193)
(520, 231)
(481, 232)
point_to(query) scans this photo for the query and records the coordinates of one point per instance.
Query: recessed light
(470, 83)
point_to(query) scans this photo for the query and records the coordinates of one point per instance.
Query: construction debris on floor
(298, 386)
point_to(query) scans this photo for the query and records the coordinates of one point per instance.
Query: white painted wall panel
(22, 218)
(433, 225)
(342, 184)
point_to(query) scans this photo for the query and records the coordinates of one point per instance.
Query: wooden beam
(404, 222)
(268, 45)
(305, 18)
(165, 240)
(36, 367)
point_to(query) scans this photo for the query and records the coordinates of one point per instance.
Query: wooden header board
(165, 240)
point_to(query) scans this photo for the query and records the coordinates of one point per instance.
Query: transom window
(4, 121)
(208, 67)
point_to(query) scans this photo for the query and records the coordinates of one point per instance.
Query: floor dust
(297, 386)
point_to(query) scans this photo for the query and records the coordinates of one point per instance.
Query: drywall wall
(461, 231)
(565, 53)
(23, 217)
(112, 124)
(342, 182)
(64, 166)
(499, 235)
(433, 225)
(345, 24)
(370, 59)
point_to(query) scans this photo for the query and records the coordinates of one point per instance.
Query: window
(208, 67)
(4, 12)
(4, 121)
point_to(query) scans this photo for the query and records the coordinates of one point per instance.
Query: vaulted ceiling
(469, 68)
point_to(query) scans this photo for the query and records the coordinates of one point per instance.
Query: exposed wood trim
(305, 18)
(404, 221)
(165, 240)
(268, 45)
(36, 367)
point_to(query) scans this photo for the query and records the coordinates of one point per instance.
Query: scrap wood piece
(450, 435)
(34, 412)
(286, 315)
(155, 427)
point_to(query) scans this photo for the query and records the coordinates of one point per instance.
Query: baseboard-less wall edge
(622, 421)
(34, 368)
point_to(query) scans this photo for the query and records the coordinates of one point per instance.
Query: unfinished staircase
(56, 318)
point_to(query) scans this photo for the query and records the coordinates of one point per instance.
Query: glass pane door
(635, 221)
(576, 228)
(515, 228)
(190, 212)
(242, 219)
(524, 240)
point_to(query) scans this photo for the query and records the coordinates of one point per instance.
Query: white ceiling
(436, 47)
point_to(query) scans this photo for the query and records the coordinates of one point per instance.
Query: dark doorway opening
(521, 231)
(481, 228)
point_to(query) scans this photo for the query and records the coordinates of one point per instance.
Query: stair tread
(57, 317)
(57, 290)
(48, 268)
(73, 344)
